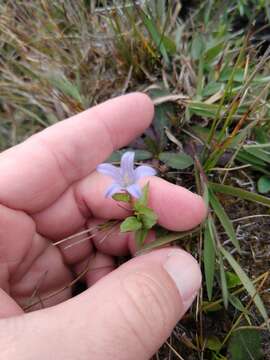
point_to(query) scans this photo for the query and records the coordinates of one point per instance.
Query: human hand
(49, 189)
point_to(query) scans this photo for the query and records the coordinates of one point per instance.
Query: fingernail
(186, 274)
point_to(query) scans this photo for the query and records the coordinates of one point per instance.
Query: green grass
(211, 131)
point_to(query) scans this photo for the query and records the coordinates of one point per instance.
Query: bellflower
(126, 177)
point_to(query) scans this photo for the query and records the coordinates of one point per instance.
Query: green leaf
(162, 117)
(211, 306)
(224, 287)
(256, 163)
(261, 79)
(245, 344)
(131, 223)
(147, 216)
(152, 145)
(213, 343)
(246, 282)
(143, 200)
(223, 218)
(209, 257)
(206, 196)
(232, 280)
(179, 161)
(139, 155)
(264, 184)
(60, 82)
(243, 194)
(259, 153)
(169, 45)
(249, 158)
(155, 34)
(227, 72)
(211, 53)
(203, 109)
(197, 46)
(237, 303)
(212, 88)
(261, 135)
(203, 133)
(121, 197)
(140, 236)
(167, 239)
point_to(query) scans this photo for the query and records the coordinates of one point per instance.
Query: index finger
(35, 173)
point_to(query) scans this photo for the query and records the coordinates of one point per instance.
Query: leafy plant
(142, 220)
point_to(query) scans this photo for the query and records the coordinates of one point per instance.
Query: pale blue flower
(126, 177)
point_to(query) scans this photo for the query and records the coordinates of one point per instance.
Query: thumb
(126, 315)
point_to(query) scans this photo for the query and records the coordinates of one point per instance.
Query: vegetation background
(206, 66)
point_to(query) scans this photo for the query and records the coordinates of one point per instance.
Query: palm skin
(49, 190)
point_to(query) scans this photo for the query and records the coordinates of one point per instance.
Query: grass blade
(209, 257)
(243, 194)
(223, 218)
(167, 239)
(224, 287)
(246, 282)
(155, 34)
(68, 88)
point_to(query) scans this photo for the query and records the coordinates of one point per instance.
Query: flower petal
(109, 170)
(113, 189)
(127, 165)
(143, 171)
(134, 190)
